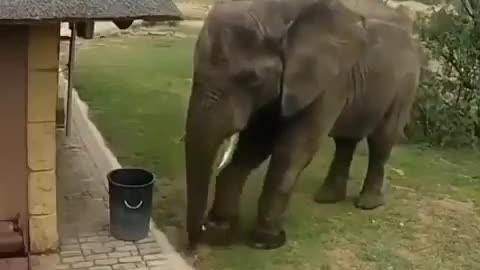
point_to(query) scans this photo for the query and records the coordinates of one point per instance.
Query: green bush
(447, 110)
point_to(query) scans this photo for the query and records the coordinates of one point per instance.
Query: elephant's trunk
(205, 133)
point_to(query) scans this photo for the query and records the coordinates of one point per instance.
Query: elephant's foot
(370, 200)
(260, 239)
(220, 232)
(331, 194)
(194, 238)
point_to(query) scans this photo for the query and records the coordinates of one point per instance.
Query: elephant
(284, 75)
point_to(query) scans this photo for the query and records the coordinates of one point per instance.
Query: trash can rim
(130, 186)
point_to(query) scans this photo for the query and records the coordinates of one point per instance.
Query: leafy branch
(447, 111)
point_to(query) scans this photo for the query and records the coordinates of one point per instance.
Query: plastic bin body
(130, 197)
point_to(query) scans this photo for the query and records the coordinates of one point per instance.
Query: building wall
(13, 157)
(43, 60)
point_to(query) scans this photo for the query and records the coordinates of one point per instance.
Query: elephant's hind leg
(334, 188)
(254, 146)
(379, 148)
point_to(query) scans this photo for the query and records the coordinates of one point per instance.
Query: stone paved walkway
(83, 219)
(81, 189)
(99, 251)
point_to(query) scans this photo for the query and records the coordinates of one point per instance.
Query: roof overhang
(48, 11)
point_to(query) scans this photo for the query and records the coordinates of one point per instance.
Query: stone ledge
(42, 95)
(43, 233)
(42, 193)
(44, 46)
(41, 146)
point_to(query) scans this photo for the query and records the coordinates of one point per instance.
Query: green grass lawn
(137, 89)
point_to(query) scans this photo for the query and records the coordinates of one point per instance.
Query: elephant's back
(393, 51)
(391, 59)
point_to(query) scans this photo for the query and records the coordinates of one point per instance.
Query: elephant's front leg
(294, 148)
(254, 146)
(288, 160)
(334, 188)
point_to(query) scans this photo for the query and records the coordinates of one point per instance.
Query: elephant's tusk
(228, 153)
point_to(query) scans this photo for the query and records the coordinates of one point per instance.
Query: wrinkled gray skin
(284, 75)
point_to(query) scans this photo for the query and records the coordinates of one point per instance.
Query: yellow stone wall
(43, 61)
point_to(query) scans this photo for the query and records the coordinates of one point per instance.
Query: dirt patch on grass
(345, 259)
(446, 233)
(408, 255)
(192, 23)
(194, 10)
(446, 213)
(451, 205)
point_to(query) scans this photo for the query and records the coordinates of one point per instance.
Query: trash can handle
(133, 207)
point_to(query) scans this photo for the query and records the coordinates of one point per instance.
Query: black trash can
(130, 191)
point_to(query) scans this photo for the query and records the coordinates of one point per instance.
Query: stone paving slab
(100, 251)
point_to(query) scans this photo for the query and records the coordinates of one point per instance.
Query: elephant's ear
(320, 47)
(232, 38)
